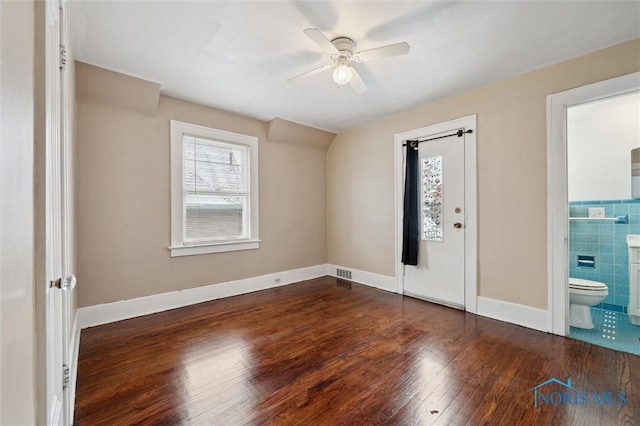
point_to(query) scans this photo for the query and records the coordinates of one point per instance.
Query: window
(214, 190)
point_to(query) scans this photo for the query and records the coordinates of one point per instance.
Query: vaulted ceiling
(238, 55)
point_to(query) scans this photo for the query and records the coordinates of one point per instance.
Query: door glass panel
(432, 198)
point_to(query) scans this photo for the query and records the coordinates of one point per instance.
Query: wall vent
(585, 261)
(343, 273)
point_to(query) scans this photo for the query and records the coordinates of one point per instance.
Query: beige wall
(512, 198)
(72, 130)
(17, 326)
(123, 198)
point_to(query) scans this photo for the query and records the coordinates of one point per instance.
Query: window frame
(179, 247)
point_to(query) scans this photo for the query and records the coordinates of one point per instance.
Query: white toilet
(582, 295)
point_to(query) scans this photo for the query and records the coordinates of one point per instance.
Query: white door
(440, 273)
(55, 225)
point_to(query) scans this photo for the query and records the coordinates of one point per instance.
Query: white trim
(470, 200)
(557, 198)
(91, 316)
(74, 353)
(55, 414)
(513, 313)
(214, 248)
(178, 247)
(371, 279)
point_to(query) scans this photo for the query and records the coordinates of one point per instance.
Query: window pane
(432, 198)
(214, 217)
(213, 166)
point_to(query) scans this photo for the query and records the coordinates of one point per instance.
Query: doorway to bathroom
(592, 213)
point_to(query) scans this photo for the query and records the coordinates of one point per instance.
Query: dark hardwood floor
(331, 352)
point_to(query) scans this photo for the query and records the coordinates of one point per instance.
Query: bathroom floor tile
(612, 330)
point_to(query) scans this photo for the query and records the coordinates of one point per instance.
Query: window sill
(214, 248)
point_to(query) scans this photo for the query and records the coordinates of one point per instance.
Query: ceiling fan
(342, 53)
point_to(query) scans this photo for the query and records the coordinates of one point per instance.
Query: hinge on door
(63, 57)
(66, 376)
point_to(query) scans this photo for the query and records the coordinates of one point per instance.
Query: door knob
(68, 283)
(457, 225)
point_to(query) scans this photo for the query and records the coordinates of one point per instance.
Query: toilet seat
(586, 285)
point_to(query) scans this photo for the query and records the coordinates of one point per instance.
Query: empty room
(320, 212)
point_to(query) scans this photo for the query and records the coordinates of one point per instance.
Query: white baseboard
(514, 313)
(91, 316)
(383, 282)
(74, 355)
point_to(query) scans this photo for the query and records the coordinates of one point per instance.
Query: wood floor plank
(328, 351)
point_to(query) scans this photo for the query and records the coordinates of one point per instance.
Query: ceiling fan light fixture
(342, 75)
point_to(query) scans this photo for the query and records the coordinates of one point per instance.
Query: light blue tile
(622, 259)
(626, 334)
(609, 299)
(622, 300)
(592, 227)
(607, 258)
(631, 201)
(634, 228)
(621, 239)
(621, 228)
(622, 279)
(577, 225)
(592, 203)
(634, 209)
(578, 273)
(611, 307)
(592, 239)
(606, 239)
(606, 248)
(592, 275)
(579, 238)
(607, 268)
(608, 279)
(620, 247)
(620, 209)
(573, 260)
(621, 290)
(634, 219)
(592, 248)
(576, 211)
(622, 270)
(608, 210)
(606, 227)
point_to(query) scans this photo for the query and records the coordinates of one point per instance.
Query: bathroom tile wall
(607, 242)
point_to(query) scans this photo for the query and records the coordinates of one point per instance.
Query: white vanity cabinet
(633, 242)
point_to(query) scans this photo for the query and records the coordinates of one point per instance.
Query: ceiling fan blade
(357, 83)
(383, 52)
(320, 39)
(313, 71)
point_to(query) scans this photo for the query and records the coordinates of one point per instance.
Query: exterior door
(440, 273)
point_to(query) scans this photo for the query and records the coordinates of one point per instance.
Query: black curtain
(410, 232)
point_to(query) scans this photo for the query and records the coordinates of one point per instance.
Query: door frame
(51, 172)
(557, 192)
(470, 200)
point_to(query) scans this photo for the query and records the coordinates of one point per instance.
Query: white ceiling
(238, 55)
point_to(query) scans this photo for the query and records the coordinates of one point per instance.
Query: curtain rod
(414, 143)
